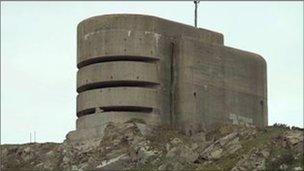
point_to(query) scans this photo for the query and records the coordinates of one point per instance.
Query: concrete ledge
(119, 96)
(118, 73)
(100, 119)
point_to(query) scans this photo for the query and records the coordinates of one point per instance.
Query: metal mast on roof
(195, 12)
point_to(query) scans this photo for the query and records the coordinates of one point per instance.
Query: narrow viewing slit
(125, 83)
(126, 109)
(115, 58)
(116, 109)
(86, 112)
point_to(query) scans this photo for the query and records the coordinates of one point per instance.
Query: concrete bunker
(163, 72)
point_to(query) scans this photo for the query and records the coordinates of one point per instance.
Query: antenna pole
(195, 12)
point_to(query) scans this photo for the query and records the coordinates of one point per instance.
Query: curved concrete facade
(111, 45)
(117, 98)
(109, 74)
(163, 72)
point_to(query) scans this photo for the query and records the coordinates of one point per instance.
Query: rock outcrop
(136, 146)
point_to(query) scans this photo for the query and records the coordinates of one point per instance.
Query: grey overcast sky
(38, 56)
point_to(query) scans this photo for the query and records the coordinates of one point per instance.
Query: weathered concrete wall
(217, 84)
(163, 72)
(134, 36)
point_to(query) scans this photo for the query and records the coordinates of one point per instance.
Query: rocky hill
(135, 146)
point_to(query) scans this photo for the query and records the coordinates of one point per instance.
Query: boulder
(116, 163)
(182, 153)
(145, 154)
(223, 146)
(199, 137)
(255, 160)
(294, 136)
(216, 154)
(171, 165)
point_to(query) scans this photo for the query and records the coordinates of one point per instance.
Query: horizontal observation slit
(115, 58)
(86, 112)
(126, 83)
(126, 109)
(116, 109)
